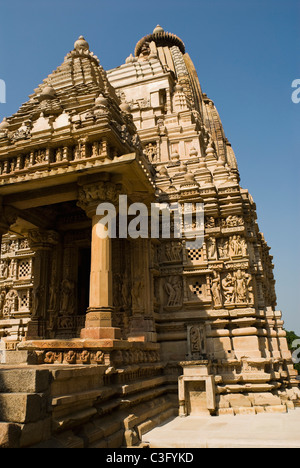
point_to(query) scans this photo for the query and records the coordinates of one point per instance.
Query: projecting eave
(129, 170)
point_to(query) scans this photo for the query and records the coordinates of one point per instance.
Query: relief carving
(216, 289)
(212, 248)
(10, 303)
(67, 297)
(137, 294)
(173, 288)
(173, 251)
(196, 341)
(237, 246)
(238, 288)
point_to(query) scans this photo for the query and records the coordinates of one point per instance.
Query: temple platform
(267, 430)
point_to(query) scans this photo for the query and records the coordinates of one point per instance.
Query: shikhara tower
(141, 327)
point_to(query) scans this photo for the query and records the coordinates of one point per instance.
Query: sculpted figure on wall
(151, 151)
(237, 246)
(173, 251)
(240, 286)
(237, 288)
(250, 290)
(4, 268)
(210, 222)
(53, 298)
(223, 248)
(11, 303)
(173, 288)
(228, 289)
(2, 302)
(196, 341)
(137, 294)
(234, 221)
(67, 297)
(216, 289)
(212, 248)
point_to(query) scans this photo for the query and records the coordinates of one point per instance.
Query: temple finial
(158, 30)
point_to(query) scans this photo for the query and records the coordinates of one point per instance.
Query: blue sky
(246, 53)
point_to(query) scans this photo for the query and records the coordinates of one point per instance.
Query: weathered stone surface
(239, 400)
(22, 407)
(24, 380)
(35, 432)
(10, 435)
(15, 357)
(264, 399)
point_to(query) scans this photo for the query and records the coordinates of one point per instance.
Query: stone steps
(71, 407)
(24, 417)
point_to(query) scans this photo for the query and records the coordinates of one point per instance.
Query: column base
(101, 333)
(98, 325)
(98, 317)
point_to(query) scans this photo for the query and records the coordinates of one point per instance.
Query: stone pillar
(98, 324)
(41, 242)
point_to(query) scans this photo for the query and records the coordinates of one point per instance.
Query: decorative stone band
(105, 352)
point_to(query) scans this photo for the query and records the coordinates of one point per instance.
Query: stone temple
(104, 338)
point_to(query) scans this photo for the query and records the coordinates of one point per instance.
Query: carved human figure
(137, 294)
(67, 296)
(240, 286)
(36, 300)
(53, 296)
(24, 244)
(234, 221)
(243, 246)
(40, 156)
(59, 155)
(151, 152)
(233, 246)
(168, 252)
(2, 301)
(4, 269)
(216, 289)
(210, 222)
(223, 247)
(173, 288)
(228, 288)
(212, 248)
(177, 285)
(238, 246)
(176, 250)
(11, 269)
(11, 303)
(249, 286)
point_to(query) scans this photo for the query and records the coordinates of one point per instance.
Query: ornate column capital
(42, 240)
(91, 195)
